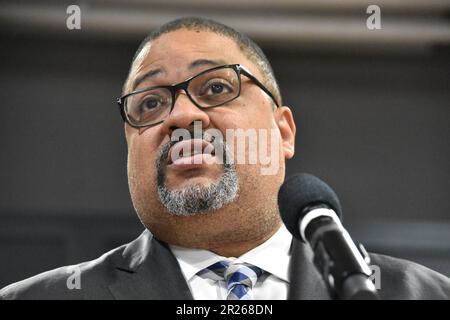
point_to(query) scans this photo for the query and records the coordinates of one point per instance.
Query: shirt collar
(273, 256)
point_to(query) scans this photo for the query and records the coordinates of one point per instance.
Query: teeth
(189, 153)
(207, 137)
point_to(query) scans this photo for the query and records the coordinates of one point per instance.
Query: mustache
(164, 152)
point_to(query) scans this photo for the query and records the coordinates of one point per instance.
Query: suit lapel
(305, 281)
(149, 270)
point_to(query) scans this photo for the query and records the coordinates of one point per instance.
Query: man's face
(251, 208)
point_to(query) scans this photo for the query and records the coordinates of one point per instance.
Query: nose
(183, 115)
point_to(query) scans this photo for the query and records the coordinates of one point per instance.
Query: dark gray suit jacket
(146, 269)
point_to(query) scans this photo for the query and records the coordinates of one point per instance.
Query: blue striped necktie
(240, 278)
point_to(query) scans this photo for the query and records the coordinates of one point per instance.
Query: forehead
(173, 53)
(197, 40)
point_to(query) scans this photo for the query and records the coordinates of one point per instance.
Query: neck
(240, 248)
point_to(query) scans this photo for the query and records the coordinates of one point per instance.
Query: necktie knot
(240, 278)
(242, 273)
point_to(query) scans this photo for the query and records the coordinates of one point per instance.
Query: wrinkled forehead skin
(174, 52)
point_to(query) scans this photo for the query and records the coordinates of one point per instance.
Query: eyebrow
(146, 76)
(193, 65)
(206, 62)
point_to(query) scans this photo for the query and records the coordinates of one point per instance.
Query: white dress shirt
(272, 256)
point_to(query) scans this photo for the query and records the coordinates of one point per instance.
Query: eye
(150, 103)
(216, 87)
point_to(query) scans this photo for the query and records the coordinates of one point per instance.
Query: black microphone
(311, 212)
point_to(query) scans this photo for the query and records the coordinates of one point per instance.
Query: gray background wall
(373, 124)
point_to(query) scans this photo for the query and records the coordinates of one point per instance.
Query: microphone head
(299, 192)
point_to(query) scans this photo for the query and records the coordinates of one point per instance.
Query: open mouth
(191, 152)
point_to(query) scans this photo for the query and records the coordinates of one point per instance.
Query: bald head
(247, 46)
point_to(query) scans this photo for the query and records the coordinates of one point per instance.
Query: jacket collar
(148, 270)
(305, 281)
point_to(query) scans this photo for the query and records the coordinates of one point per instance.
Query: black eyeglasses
(208, 89)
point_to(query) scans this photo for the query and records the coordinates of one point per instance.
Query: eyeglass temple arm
(259, 84)
(122, 109)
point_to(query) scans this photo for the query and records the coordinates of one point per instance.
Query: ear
(285, 122)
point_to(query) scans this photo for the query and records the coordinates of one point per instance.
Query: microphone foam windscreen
(301, 191)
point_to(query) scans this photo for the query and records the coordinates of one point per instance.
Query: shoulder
(78, 281)
(402, 279)
(87, 280)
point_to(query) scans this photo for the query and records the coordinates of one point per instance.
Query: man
(213, 229)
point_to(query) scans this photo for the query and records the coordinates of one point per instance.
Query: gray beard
(198, 198)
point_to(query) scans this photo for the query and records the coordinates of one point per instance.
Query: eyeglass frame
(239, 69)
